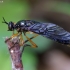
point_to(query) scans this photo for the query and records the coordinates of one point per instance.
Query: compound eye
(11, 26)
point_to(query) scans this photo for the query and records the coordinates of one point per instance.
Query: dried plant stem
(15, 53)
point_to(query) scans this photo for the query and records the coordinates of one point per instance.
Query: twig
(15, 53)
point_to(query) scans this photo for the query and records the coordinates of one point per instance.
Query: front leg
(19, 35)
(14, 35)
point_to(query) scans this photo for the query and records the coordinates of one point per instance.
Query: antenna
(4, 21)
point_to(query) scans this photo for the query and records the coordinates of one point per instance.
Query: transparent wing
(51, 31)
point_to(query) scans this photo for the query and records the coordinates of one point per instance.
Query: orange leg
(14, 35)
(33, 44)
(19, 35)
(21, 40)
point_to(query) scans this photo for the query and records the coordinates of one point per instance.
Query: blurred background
(49, 55)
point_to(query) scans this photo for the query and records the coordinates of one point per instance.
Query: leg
(21, 40)
(31, 38)
(25, 45)
(16, 35)
(19, 35)
(33, 44)
(27, 41)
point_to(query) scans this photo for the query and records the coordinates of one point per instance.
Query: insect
(48, 30)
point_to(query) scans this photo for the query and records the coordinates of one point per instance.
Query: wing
(51, 31)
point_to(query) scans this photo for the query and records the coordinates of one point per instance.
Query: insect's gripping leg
(21, 40)
(33, 44)
(19, 35)
(14, 35)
